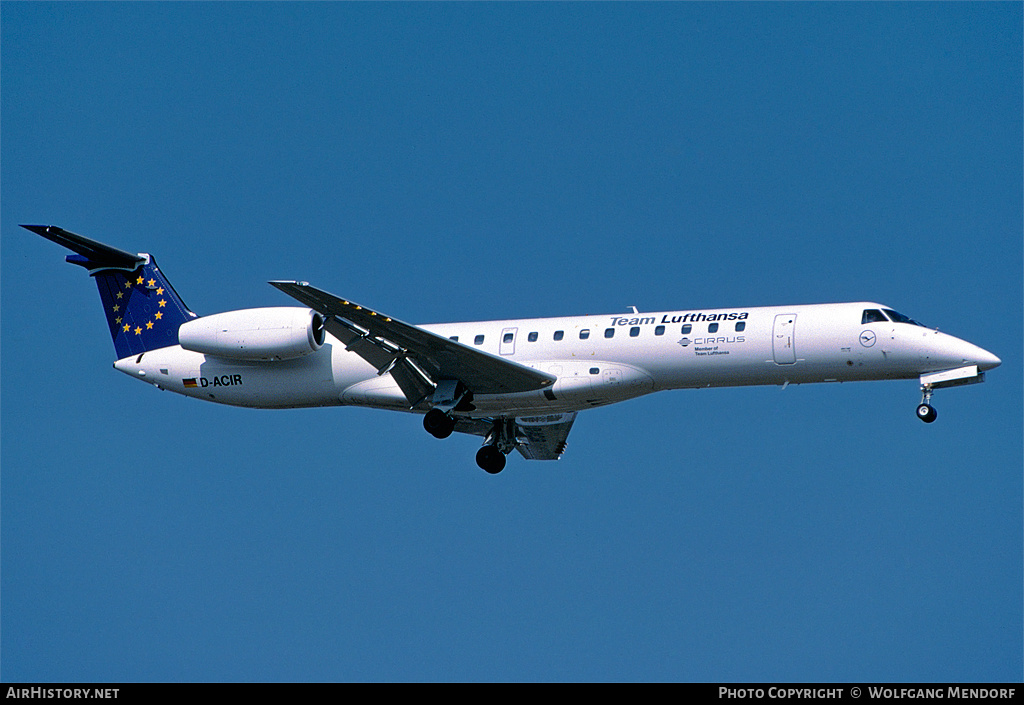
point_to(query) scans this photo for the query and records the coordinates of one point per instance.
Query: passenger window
(594, 370)
(660, 330)
(532, 337)
(479, 340)
(455, 338)
(507, 338)
(634, 331)
(872, 315)
(584, 334)
(559, 334)
(609, 332)
(741, 326)
(687, 328)
(712, 328)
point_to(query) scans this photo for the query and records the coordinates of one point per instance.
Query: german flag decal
(190, 383)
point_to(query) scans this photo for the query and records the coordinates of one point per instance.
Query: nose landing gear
(925, 411)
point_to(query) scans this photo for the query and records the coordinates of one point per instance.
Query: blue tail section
(143, 311)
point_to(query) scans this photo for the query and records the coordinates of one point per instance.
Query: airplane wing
(416, 358)
(545, 436)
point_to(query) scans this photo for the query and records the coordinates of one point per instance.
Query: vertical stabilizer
(142, 309)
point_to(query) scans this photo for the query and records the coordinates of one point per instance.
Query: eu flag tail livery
(142, 309)
(517, 384)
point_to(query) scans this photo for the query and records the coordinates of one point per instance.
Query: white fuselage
(597, 359)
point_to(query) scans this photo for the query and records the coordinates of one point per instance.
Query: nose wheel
(925, 411)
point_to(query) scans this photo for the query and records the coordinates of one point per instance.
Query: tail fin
(143, 310)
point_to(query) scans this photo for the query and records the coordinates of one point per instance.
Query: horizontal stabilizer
(96, 255)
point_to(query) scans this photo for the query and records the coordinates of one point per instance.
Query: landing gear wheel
(490, 459)
(926, 413)
(438, 424)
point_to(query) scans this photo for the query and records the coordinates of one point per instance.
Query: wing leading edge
(415, 357)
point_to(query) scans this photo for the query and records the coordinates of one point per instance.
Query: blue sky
(482, 161)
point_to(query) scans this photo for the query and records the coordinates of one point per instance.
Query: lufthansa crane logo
(867, 338)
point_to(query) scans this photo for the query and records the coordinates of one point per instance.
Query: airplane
(518, 384)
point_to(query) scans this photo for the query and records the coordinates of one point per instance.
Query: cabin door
(783, 347)
(508, 341)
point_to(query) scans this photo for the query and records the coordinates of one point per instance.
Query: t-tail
(143, 311)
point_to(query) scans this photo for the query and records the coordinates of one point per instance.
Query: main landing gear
(438, 424)
(925, 411)
(490, 459)
(449, 395)
(500, 440)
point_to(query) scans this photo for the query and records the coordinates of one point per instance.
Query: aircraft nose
(987, 361)
(951, 352)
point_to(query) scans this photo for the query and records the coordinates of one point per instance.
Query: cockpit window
(872, 315)
(900, 318)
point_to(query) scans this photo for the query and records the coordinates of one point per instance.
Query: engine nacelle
(255, 334)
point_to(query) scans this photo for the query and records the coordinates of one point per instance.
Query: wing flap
(414, 385)
(545, 436)
(357, 342)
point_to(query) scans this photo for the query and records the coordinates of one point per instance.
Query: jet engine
(280, 333)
